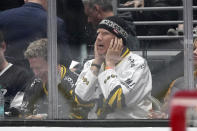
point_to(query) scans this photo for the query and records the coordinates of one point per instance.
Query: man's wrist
(110, 65)
(95, 68)
(96, 65)
(98, 62)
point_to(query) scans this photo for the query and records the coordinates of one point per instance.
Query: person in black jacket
(72, 12)
(35, 101)
(12, 78)
(36, 95)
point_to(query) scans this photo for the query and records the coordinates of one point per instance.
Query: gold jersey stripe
(115, 95)
(125, 53)
(63, 71)
(71, 92)
(84, 105)
(195, 73)
(45, 89)
(75, 116)
(119, 104)
(99, 112)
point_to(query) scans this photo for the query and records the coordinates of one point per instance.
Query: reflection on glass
(37, 95)
(113, 81)
(20, 26)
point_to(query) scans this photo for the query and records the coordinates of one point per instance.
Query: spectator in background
(132, 3)
(97, 10)
(118, 81)
(155, 30)
(179, 29)
(153, 15)
(12, 78)
(178, 84)
(35, 101)
(27, 23)
(163, 15)
(72, 12)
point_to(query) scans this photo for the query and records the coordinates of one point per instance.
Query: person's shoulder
(18, 68)
(176, 85)
(9, 12)
(179, 83)
(133, 61)
(136, 58)
(22, 12)
(20, 71)
(18, 76)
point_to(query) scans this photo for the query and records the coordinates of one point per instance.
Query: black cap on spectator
(117, 26)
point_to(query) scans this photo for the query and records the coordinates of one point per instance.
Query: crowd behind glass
(99, 75)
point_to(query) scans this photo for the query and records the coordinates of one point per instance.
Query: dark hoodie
(132, 42)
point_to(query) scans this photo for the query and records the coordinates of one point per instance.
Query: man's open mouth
(100, 46)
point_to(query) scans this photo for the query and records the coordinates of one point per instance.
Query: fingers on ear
(115, 43)
(111, 43)
(120, 44)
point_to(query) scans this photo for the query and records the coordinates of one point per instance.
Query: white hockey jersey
(120, 93)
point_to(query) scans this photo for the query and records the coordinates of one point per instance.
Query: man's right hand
(98, 59)
(134, 3)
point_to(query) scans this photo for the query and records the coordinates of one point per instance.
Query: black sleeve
(68, 81)
(31, 94)
(23, 79)
(80, 108)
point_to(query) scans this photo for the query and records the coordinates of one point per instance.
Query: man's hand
(114, 51)
(134, 3)
(98, 59)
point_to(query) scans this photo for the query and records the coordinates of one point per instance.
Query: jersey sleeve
(85, 86)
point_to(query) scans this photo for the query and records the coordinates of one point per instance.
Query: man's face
(103, 40)
(40, 67)
(93, 15)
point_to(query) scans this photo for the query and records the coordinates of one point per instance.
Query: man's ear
(96, 7)
(98, 10)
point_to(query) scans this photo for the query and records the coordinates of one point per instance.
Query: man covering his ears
(117, 81)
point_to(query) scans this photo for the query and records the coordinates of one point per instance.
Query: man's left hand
(114, 51)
